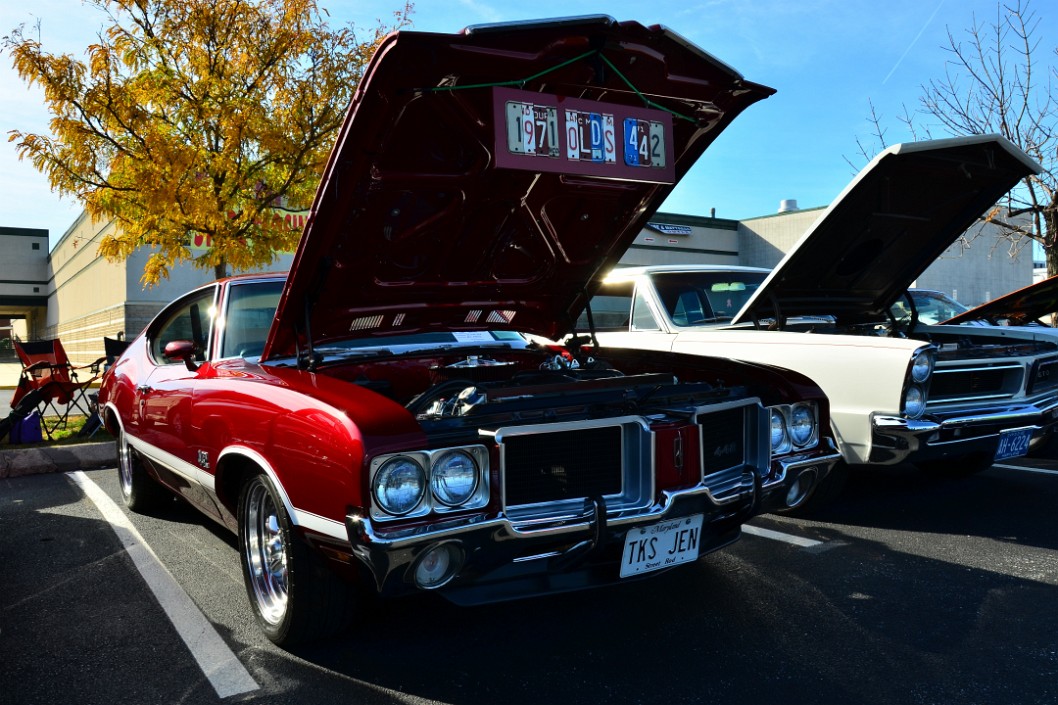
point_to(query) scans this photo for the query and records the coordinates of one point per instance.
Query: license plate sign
(1013, 443)
(661, 545)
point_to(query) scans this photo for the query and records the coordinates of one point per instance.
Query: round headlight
(922, 367)
(778, 430)
(454, 478)
(914, 401)
(399, 486)
(802, 424)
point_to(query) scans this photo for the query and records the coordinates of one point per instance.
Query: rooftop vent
(787, 204)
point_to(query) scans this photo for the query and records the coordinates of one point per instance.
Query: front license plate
(661, 545)
(1013, 443)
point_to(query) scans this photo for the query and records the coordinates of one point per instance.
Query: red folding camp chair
(47, 370)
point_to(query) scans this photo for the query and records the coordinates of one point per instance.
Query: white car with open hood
(953, 399)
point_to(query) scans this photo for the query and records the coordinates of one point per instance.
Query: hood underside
(893, 220)
(481, 180)
(1021, 307)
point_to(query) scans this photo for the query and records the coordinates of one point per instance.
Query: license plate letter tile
(661, 545)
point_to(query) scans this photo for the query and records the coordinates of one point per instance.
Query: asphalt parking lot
(908, 590)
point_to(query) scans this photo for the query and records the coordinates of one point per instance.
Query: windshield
(933, 307)
(694, 298)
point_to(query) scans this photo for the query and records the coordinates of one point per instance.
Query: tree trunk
(220, 269)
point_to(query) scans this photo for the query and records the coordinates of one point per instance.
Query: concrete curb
(17, 462)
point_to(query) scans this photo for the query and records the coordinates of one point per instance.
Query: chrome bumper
(508, 560)
(798, 474)
(895, 439)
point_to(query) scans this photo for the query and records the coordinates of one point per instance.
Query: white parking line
(779, 536)
(223, 669)
(1042, 471)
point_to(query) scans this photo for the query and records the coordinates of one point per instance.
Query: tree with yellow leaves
(196, 118)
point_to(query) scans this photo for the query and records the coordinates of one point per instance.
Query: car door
(165, 400)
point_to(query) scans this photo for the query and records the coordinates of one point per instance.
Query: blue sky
(828, 59)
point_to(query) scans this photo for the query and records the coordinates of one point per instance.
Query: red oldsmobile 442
(391, 418)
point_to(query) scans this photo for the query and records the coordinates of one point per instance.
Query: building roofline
(24, 232)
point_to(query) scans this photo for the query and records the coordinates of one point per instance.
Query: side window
(187, 320)
(642, 316)
(610, 308)
(248, 316)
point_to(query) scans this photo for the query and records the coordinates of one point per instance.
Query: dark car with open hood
(394, 412)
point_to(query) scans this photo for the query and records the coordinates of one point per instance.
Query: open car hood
(437, 212)
(1024, 306)
(888, 225)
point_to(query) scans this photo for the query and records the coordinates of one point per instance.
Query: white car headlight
(399, 485)
(778, 430)
(454, 478)
(914, 401)
(922, 366)
(802, 424)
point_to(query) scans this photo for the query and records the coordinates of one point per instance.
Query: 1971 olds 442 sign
(387, 412)
(953, 399)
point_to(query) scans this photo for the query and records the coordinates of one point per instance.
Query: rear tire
(139, 490)
(295, 597)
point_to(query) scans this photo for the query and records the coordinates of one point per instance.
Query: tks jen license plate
(661, 545)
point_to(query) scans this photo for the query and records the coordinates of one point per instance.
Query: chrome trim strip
(979, 368)
(300, 517)
(505, 529)
(188, 471)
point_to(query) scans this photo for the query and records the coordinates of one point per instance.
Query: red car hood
(895, 218)
(1024, 306)
(436, 212)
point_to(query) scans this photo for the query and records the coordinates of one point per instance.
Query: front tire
(139, 490)
(294, 596)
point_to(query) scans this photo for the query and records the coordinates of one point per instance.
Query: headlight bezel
(920, 372)
(922, 366)
(429, 503)
(386, 470)
(436, 473)
(781, 443)
(790, 441)
(909, 412)
(813, 424)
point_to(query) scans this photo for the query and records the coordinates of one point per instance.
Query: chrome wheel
(124, 465)
(139, 490)
(265, 551)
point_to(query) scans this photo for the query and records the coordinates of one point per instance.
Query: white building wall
(25, 263)
(979, 268)
(672, 238)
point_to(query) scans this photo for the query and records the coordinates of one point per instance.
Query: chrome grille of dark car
(723, 449)
(977, 382)
(1044, 376)
(562, 465)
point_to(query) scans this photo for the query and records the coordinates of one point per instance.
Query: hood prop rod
(309, 359)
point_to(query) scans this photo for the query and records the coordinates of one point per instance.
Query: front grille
(954, 384)
(1044, 376)
(723, 449)
(562, 465)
